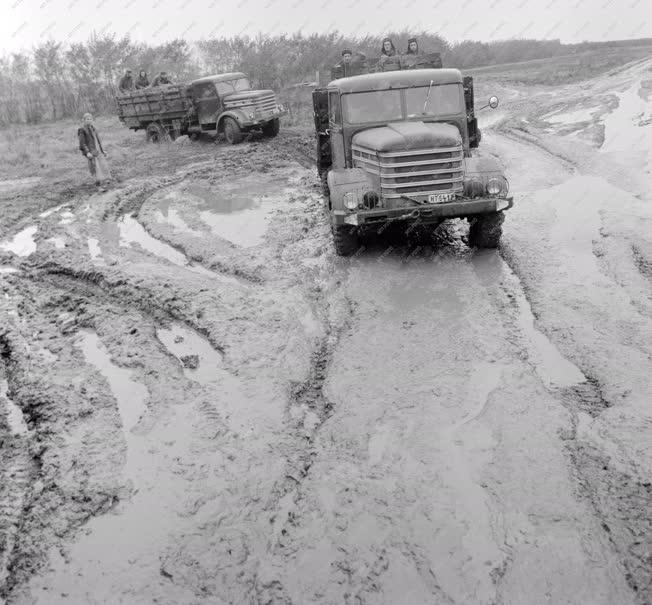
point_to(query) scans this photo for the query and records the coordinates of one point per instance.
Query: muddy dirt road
(202, 404)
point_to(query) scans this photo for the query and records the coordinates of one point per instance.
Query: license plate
(439, 198)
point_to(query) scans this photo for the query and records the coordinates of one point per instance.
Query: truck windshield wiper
(427, 96)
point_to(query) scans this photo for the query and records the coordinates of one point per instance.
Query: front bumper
(262, 118)
(424, 213)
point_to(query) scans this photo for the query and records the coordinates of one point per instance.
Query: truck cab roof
(220, 77)
(396, 79)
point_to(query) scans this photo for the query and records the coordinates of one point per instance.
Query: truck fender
(239, 116)
(345, 180)
(478, 170)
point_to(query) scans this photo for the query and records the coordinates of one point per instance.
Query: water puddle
(130, 395)
(50, 211)
(132, 232)
(552, 367)
(200, 361)
(240, 211)
(57, 242)
(94, 250)
(457, 442)
(15, 418)
(203, 364)
(7, 269)
(67, 218)
(23, 243)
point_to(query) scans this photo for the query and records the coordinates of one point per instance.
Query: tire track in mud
(616, 497)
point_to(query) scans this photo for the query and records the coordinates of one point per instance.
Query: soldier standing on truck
(388, 55)
(412, 47)
(126, 82)
(143, 80)
(161, 79)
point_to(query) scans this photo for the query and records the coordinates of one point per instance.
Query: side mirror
(493, 102)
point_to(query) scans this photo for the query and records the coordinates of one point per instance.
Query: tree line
(56, 80)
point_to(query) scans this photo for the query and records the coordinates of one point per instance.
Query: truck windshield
(228, 86)
(374, 106)
(443, 99)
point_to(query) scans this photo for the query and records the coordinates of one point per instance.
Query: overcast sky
(25, 23)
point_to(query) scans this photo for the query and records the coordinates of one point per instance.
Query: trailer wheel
(232, 131)
(156, 133)
(271, 129)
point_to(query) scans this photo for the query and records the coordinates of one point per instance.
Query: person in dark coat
(90, 146)
(388, 54)
(142, 81)
(161, 79)
(387, 48)
(412, 47)
(126, 82)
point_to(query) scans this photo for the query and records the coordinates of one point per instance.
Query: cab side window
(205, 91)
(334, 108)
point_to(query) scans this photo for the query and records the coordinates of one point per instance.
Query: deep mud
(201, 403)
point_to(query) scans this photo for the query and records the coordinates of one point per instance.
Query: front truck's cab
(226, 104)
(396, 146)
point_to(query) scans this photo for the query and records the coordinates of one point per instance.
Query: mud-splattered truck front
(396, 146)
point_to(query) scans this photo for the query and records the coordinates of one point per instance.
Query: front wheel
(232, 131)
(271, 129)
(485, 230)
(345, 238)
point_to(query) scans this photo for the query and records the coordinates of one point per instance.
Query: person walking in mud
(91, 147)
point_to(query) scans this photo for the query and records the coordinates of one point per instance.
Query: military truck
(397, 146)
(222, 104)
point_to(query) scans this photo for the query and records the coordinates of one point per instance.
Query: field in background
(562, 70)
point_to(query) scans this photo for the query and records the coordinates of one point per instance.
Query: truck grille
(266, 103)
(418, 172)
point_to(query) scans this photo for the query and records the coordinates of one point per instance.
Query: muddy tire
(345, 238)
(156, 133)
(271, 129)
(485, 230)
(232, 131)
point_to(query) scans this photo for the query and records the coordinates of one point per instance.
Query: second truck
(223, 104)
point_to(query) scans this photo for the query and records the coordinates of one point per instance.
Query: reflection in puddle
(23, 243)
(15, 418)
(132, 232)
(551, 366)
(174, 218)
(57, 242)
(240, 210)
(185, 343)
(130, 395)
(95, 251)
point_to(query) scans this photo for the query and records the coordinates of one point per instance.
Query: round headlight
(494, 186)
(351, 200)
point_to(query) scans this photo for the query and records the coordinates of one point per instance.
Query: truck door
(336, 130)
(208, 104)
